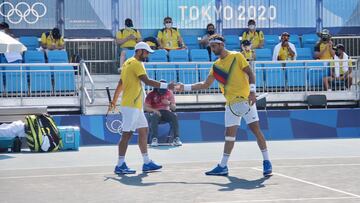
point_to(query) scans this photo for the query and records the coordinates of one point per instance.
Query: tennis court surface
(304, 171)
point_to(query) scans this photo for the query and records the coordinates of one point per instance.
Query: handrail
(85, 72)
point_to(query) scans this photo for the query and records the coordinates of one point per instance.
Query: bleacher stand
(64, 81)
(191, 42)
(31, 42)
(232, 42)
(270, 41)
(12, 79)
(40, 81)
(304, 53)
(263, 54)
(309, 40)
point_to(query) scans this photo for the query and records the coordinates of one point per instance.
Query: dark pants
(166, 116)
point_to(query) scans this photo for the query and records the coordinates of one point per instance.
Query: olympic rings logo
(23, 11)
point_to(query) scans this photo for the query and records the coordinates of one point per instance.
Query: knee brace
(230, 139)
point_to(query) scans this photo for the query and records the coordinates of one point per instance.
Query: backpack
(42, 134)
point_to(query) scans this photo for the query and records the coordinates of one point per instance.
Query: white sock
(265, 154)
(121, 160)
(224, 160)
(146, 158)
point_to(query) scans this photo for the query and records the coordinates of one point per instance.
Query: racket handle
(108, 93)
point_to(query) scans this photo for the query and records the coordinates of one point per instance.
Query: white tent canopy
(10, 44)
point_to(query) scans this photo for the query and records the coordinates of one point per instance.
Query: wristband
(163, 85)
(187, 87)
(252, 88)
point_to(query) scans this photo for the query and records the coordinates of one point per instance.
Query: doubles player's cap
(143, 45)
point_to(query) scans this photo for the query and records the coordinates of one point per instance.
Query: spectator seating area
(38, 79)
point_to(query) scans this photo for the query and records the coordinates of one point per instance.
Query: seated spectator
(324, 48)
(4, 27)
(285, 50)
(169, 37)
(127, 38)
(248, 53)
(152, 42)
(340, 71)
(52, 40)
(161, 104)
(256, 37)
(204, 42)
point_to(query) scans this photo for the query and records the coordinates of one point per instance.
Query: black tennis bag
(42, 134)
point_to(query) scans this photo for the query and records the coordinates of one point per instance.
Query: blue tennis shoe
(151, 166)
(218, 171)
(123, 169)
(267, 168)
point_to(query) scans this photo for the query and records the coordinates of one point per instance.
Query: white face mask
(247, 48)
(251, 27)
(168, 25)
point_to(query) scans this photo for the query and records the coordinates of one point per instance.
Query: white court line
(314, 184)
(289, 199)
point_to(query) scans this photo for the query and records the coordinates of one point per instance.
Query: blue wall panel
(209, 126)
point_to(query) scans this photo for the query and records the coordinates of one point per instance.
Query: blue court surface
(304, 171)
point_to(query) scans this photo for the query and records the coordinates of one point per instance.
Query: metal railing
(45, 80)
(351, 44)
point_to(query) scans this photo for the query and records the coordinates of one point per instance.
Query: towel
(277, 50)
(345, 64)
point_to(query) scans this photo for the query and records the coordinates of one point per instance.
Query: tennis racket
(113, 120)
(240, 105)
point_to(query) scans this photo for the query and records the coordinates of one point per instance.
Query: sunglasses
(168, 22)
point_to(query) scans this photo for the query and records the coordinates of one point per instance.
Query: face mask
(251, 27)
(211, 32)
(168, 25)
(247, 48)
(129, 24)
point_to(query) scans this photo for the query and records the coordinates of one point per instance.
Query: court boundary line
(287, 199)
(312, 183)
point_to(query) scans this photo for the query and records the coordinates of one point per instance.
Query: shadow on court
(233, 184)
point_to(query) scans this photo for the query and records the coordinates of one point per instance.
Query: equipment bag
(42, 134)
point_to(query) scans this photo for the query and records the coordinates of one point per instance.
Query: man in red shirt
(161, 104)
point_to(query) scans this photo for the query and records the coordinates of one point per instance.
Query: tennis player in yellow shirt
(132, 76)
(236, 79)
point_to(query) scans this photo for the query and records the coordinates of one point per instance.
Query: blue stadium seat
(309, 40)
(304, 54)
(31, 42)
(295, 76)
(232, 42)
(199, 55)
(191, 42)
(271, 41)
(263, 54)
(12, 79)
(295, 40)
(316, 72)
(129, 53)
(150, 73)
(158, 56)
(274, 76)
(178, 56)
(39, 81)
(259, 76)
(64, 80)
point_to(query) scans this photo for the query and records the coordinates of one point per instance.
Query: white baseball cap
(143, 45)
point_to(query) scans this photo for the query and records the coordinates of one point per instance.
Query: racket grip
(108, 93)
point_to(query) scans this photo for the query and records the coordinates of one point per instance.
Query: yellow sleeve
(160, 35)
(43, 38)
(139, 70)
(119, 35)
(243, 36)
(261, 35)
(211, 72)
(242, 61)
(138, 35)
(61, 42)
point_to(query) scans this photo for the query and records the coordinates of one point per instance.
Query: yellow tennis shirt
(132, 88)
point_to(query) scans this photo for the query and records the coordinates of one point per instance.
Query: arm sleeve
(261, 35)
(139, 70)
(242, 61)
(43, 38)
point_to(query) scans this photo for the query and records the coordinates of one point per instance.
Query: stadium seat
(39, 81)
(259, 76)
(295, 40)
(191, 42)
(309, 40)
(232, 42)
(274, 76)
(295, 73)
(178, 56)
(65, 79)
(263, 54)
(11, 80)
(199, 55)
(316, 72)
(158, 56)
(31, 43)
(304, 54)
(270, 41)
(129, 53)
